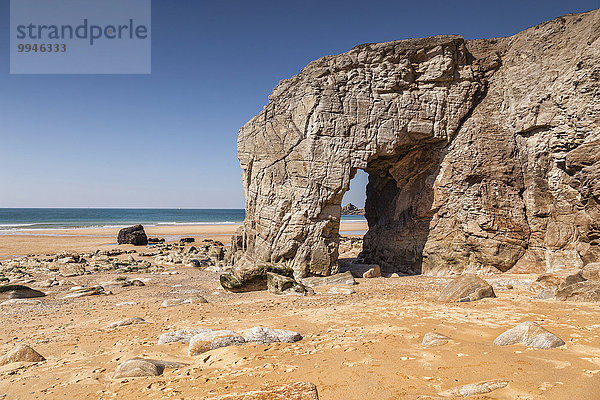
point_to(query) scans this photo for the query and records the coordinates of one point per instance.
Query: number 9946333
(41, 48)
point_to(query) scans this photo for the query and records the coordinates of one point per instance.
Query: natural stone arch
(462, 143)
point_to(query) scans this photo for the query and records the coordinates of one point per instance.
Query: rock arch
(466, 143)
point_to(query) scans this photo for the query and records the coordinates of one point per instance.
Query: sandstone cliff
(482, 155)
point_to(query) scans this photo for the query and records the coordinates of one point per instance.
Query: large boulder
(466, 288)
(21, 353)
(134, 235)
(481, 155)
(141, 367)
(18, 292)
(531, 335)
(262, 335)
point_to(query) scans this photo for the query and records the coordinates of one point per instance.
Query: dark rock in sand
(280, 284)
(466, 287)
(18, 292)
(134, 235)
(156, 240)
(187, 240)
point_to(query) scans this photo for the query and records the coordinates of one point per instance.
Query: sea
(17, 219)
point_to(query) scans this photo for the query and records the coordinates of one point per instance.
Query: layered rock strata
(482, 156)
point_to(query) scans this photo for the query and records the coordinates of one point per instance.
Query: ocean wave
(15, 225)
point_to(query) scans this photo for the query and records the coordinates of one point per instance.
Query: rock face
(253, 278)
(133, 235)
(482, 155)
(466, 288)
(580, 291)
(280, 284)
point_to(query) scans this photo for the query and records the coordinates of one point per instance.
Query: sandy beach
(365, 345)
(25, 242)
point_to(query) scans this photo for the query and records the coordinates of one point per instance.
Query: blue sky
(169, 139)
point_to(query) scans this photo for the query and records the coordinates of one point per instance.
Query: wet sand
(26, 242)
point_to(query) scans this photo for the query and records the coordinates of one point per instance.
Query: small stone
(531, 335)
(432, 339)
(171, 302)
(263, 335)
(374, 272)
(128, 321)
(195, 300)
(126, 303)
(21, 353)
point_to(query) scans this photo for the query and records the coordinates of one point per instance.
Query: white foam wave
(15, 225)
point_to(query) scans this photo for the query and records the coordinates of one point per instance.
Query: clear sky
(169, 139)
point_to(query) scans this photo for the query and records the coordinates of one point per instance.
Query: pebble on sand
(432, 339)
